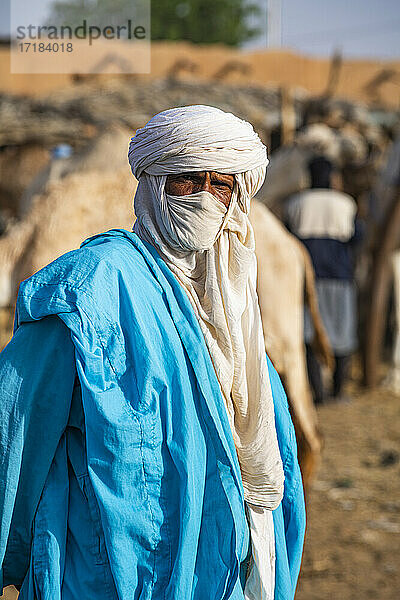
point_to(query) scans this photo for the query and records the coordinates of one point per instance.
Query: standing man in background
(324, 219)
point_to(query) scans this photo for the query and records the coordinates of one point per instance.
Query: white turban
(210, 250)
(196, 138)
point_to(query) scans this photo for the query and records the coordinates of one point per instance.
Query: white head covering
(197, 138)
(210, 250)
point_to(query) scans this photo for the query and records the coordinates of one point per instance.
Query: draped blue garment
(119, 476)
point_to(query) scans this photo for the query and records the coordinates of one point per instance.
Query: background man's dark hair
(320, 169)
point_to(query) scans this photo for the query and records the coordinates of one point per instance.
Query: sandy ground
(352, 548)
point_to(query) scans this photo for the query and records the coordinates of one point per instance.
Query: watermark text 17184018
(82, 43)
(45, 47)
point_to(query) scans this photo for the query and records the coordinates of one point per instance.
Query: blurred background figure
(324, 219)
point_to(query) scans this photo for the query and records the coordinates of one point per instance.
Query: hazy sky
(360, 28)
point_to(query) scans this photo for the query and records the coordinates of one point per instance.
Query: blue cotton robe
(119, 476)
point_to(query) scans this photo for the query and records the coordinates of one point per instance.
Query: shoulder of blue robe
(138, 349)
(81, 274)
(290, 516)
(90, 288)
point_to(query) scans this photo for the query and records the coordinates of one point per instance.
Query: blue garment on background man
(111, 485)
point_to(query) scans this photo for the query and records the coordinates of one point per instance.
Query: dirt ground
(352, 549)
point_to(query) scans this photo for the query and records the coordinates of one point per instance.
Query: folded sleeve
(37, 373)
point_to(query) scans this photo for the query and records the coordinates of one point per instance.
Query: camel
(285, 272)
(19, 165)
(69, 200)
(82, 202)
(106, 153)
(288, 172)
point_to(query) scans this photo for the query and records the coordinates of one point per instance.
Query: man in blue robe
(133, 463)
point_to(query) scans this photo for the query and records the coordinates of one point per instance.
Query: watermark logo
(80, 36)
